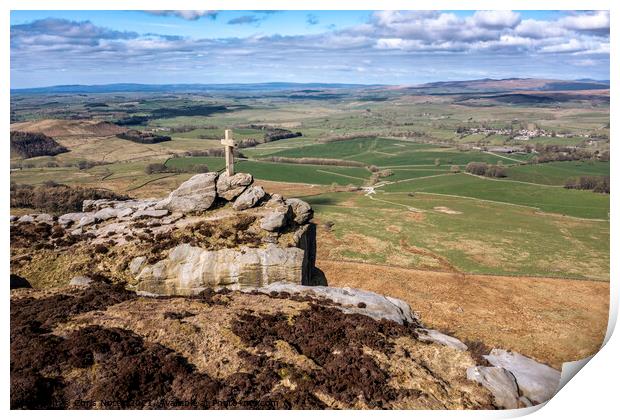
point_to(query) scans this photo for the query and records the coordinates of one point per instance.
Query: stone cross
(229, 144)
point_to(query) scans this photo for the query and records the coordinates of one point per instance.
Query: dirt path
(504, 157)
(486, 178)
(551, 320)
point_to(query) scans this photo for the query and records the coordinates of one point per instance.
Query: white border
(592, 394)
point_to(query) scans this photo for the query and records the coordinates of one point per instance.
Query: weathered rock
(536, 381)
(189, 270)
(123, 212)
(249, 198)
(27, 218)
(499, 381)
(302, 211)
(14, 218)
(18, 282)
(96, 205)
(197, 194)
(275, 201)
(141, 214)
(230, 187)
(45, 218)
(435, 336)
(87, 219)
(136, 265)
(353, 301)
(77, 232)
(67, 219)
(106, 213)
(277, 219)
(81, 281)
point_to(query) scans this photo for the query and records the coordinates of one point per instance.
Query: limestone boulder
(537, 382)
(249, 198)
(277, 219)
(189, 270)
(275, 201)
(352, 301)
(500, 382)
(230, 187)
(197, 194)
(27, 218)
(45, 218)
(69, 218)
(143, 214)
(106, 213)
(302, 211)
(434, 336)
(81, 281)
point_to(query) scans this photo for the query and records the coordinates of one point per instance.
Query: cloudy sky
(388, 47)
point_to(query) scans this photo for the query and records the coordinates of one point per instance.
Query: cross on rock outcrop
(229, 145)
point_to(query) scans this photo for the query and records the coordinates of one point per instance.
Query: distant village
(521, 134)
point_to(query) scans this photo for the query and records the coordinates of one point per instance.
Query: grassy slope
(556, 173)
(548, 199)
(483, 238)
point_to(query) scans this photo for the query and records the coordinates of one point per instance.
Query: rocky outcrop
(434, 336)
(197, 194)
(189, 270)
(301, 210)
(179, 245)
(352, 301)
(499, 381)
(230, 187)
(249, 198)
(537, 382)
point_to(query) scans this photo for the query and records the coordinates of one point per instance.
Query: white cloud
(597, 21)
(185, 14)
(496, 18)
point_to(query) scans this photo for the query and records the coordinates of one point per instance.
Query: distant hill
(507, 85)
(67, 128)
(136, 87)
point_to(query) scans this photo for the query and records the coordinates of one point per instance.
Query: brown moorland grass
(550, 320)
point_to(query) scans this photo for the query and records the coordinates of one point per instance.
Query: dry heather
(551, 320)
(104, 347)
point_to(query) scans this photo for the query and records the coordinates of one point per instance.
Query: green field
(481, 238)
(556, 173)
(282, 172)
(551, 199)
(390, 153)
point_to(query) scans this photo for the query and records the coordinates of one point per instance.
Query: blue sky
(391, 47)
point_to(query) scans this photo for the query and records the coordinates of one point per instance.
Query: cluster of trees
(132, 120)
(484, 169)
(555, 153)
(81, 164)
(313, 161)
(279, 134)
(160, 168)
(57, 198)
(28, 145)
(140, 137)
(600, 184)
